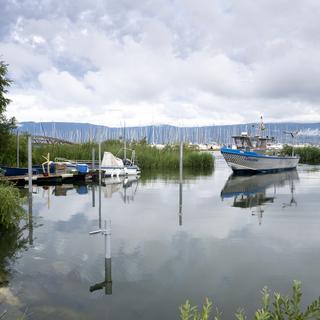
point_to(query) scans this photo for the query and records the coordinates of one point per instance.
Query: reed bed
(147, 156)
(308, 155)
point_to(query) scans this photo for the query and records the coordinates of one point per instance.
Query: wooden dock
(49, 179)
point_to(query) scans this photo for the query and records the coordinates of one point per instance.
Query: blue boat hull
(14, 171)
(251, 162)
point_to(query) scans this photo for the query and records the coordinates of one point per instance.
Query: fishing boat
(250, 154)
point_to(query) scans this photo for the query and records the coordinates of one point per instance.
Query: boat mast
(124, 142)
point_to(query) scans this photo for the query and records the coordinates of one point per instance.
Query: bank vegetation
(308, 154)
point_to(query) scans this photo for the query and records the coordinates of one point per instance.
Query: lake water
(232, 237)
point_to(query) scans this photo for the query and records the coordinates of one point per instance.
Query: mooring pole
(18, 149)
(100, 184)
(125, 142)
(30, 163)
(30, 219)
(108, 276)
(93, 159)
(93, 189)
(30, 223)
(180, 183)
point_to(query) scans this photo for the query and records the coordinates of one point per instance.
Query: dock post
(108, 276)
(180, 183)
(93, 159)
(100, 184)
(93, 190)
(18, 149)
(30, 219)
(107, 283)
(30, 222)
(30, 163)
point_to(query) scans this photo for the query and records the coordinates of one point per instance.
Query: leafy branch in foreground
(281, 308)
(11, 210)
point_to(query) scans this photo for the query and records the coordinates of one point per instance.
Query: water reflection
(12, 242)
(65, 189)
(254, 192)
(125, 186)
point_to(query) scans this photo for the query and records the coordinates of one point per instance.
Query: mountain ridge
(166, 133)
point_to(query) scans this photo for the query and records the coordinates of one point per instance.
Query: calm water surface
(234, 235)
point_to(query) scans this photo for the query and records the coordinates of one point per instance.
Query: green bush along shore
(308, 155)
(11, 210)
(281, 308)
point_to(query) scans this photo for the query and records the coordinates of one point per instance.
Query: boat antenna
(125, 141)
(262, 126)
(292, 134)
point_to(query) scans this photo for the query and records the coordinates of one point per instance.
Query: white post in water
(180, 183)
(125, 142)
(100, 184)
(30, 189)
(93, 159)
(30, 163)
(181, 160)
(107, 261)
(107, 283)
(107, 239)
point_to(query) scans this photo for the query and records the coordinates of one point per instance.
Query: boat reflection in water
(125, 186)
(253, 192)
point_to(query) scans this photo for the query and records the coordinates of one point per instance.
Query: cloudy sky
(183, 62)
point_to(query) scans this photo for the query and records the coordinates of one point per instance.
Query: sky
(180, 62)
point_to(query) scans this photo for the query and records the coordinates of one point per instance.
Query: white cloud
(205, 62)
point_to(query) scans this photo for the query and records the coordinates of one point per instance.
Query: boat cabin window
(246, 142)
(242, 142)
(262, 144)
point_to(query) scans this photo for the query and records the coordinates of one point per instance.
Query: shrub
(11, 210)
(281, 308)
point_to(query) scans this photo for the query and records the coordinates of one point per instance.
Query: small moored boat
(114, 166)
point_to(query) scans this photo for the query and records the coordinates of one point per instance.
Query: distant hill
(81, 132)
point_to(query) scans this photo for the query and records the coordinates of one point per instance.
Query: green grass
(308, 155)
(280, 308)
(147, 156)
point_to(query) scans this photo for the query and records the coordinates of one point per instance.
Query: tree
(6, 125)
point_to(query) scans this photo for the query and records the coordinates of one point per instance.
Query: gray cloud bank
(180, 62)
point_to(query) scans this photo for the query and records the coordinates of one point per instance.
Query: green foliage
(147, 157)
(282, 308)
(309, 155)
(192, 312)
(11, 210)
(5, 124)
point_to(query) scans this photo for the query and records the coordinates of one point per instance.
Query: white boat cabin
(251, 143)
